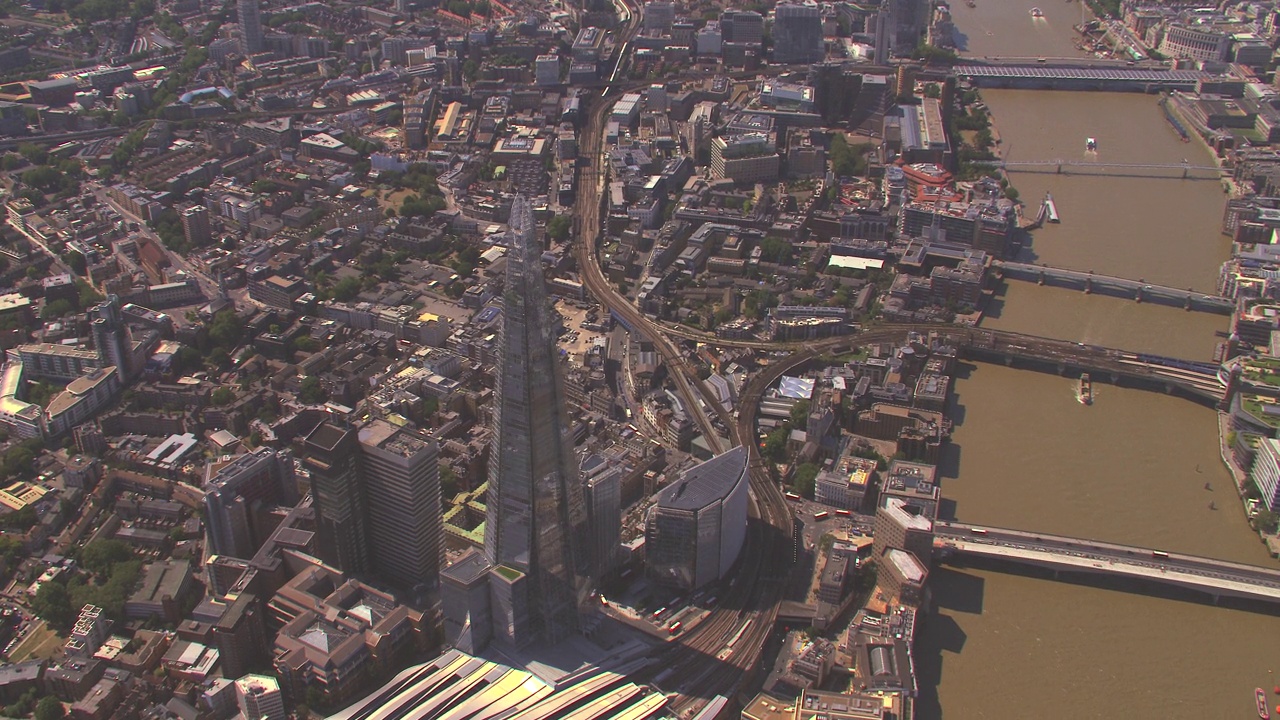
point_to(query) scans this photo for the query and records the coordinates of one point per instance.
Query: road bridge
(1061, 76)
(1139, 290)
(1215, 578)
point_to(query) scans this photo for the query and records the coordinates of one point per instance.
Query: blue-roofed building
(696, 528)
(487, 315)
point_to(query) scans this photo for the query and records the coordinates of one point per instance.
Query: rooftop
(707, 482)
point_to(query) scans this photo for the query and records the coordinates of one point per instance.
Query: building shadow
(995, 303)
(939, 634)
(960, 40)
(955, 590)
(1024, 240)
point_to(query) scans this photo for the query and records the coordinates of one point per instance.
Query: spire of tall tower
(536, 515)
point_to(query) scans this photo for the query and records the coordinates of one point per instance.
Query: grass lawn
(42, 642)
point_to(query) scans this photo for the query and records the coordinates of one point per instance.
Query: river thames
(1135, 467)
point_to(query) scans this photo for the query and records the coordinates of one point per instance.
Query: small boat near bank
(1260, 696)
(1037, 12)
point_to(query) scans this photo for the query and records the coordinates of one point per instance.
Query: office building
(742, 27)
(400, 475)
(915, 484)
(845, 485)
(694, 531)
(797, 34)
(195, 226)
(240, 634)
(601, 483)
(546, 69)
(659, 16)
(908, 20)
(1266, 472)
(896, 527)
(338, 633)
(88, 633)
(464, 603)
(536, 517)
(903, 576)
(745, 158)
(111, 337)
(333, 458)
(236, 492)
(377, 492)
(250, 16)
(259, 698)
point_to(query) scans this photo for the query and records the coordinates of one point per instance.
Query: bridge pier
(1041, 280)
(1137, 295)
(1088, 286)
(1062, 369)
(1186, 305)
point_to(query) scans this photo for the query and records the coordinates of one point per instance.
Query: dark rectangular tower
(333, 457)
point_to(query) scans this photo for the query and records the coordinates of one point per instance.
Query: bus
(977, 531)
(793, 496)
(675, 627)
(1159, 554)
(820, 516)
(844, 513)
(658, 613)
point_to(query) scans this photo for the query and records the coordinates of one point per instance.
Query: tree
(847, 160)
(312, 392)
(804, 480)
(50, 708)
(559, 226)
(1267, 521)
(800, 413)
(775, 250)
(226, 330)
(100, 556)
(22, 519)
(775, 445)
(52, 603)
(346, 289)
(222, 396)
(57, 309)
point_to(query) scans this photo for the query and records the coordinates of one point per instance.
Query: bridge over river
(1063, 76)
(1139, 290)
(1216, 578)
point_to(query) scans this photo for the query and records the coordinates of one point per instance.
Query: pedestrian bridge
(1215, 578)
(1139, 290)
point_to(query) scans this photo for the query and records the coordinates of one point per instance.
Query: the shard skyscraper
(536, 526)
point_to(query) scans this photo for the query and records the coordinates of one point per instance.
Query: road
(207, 285)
